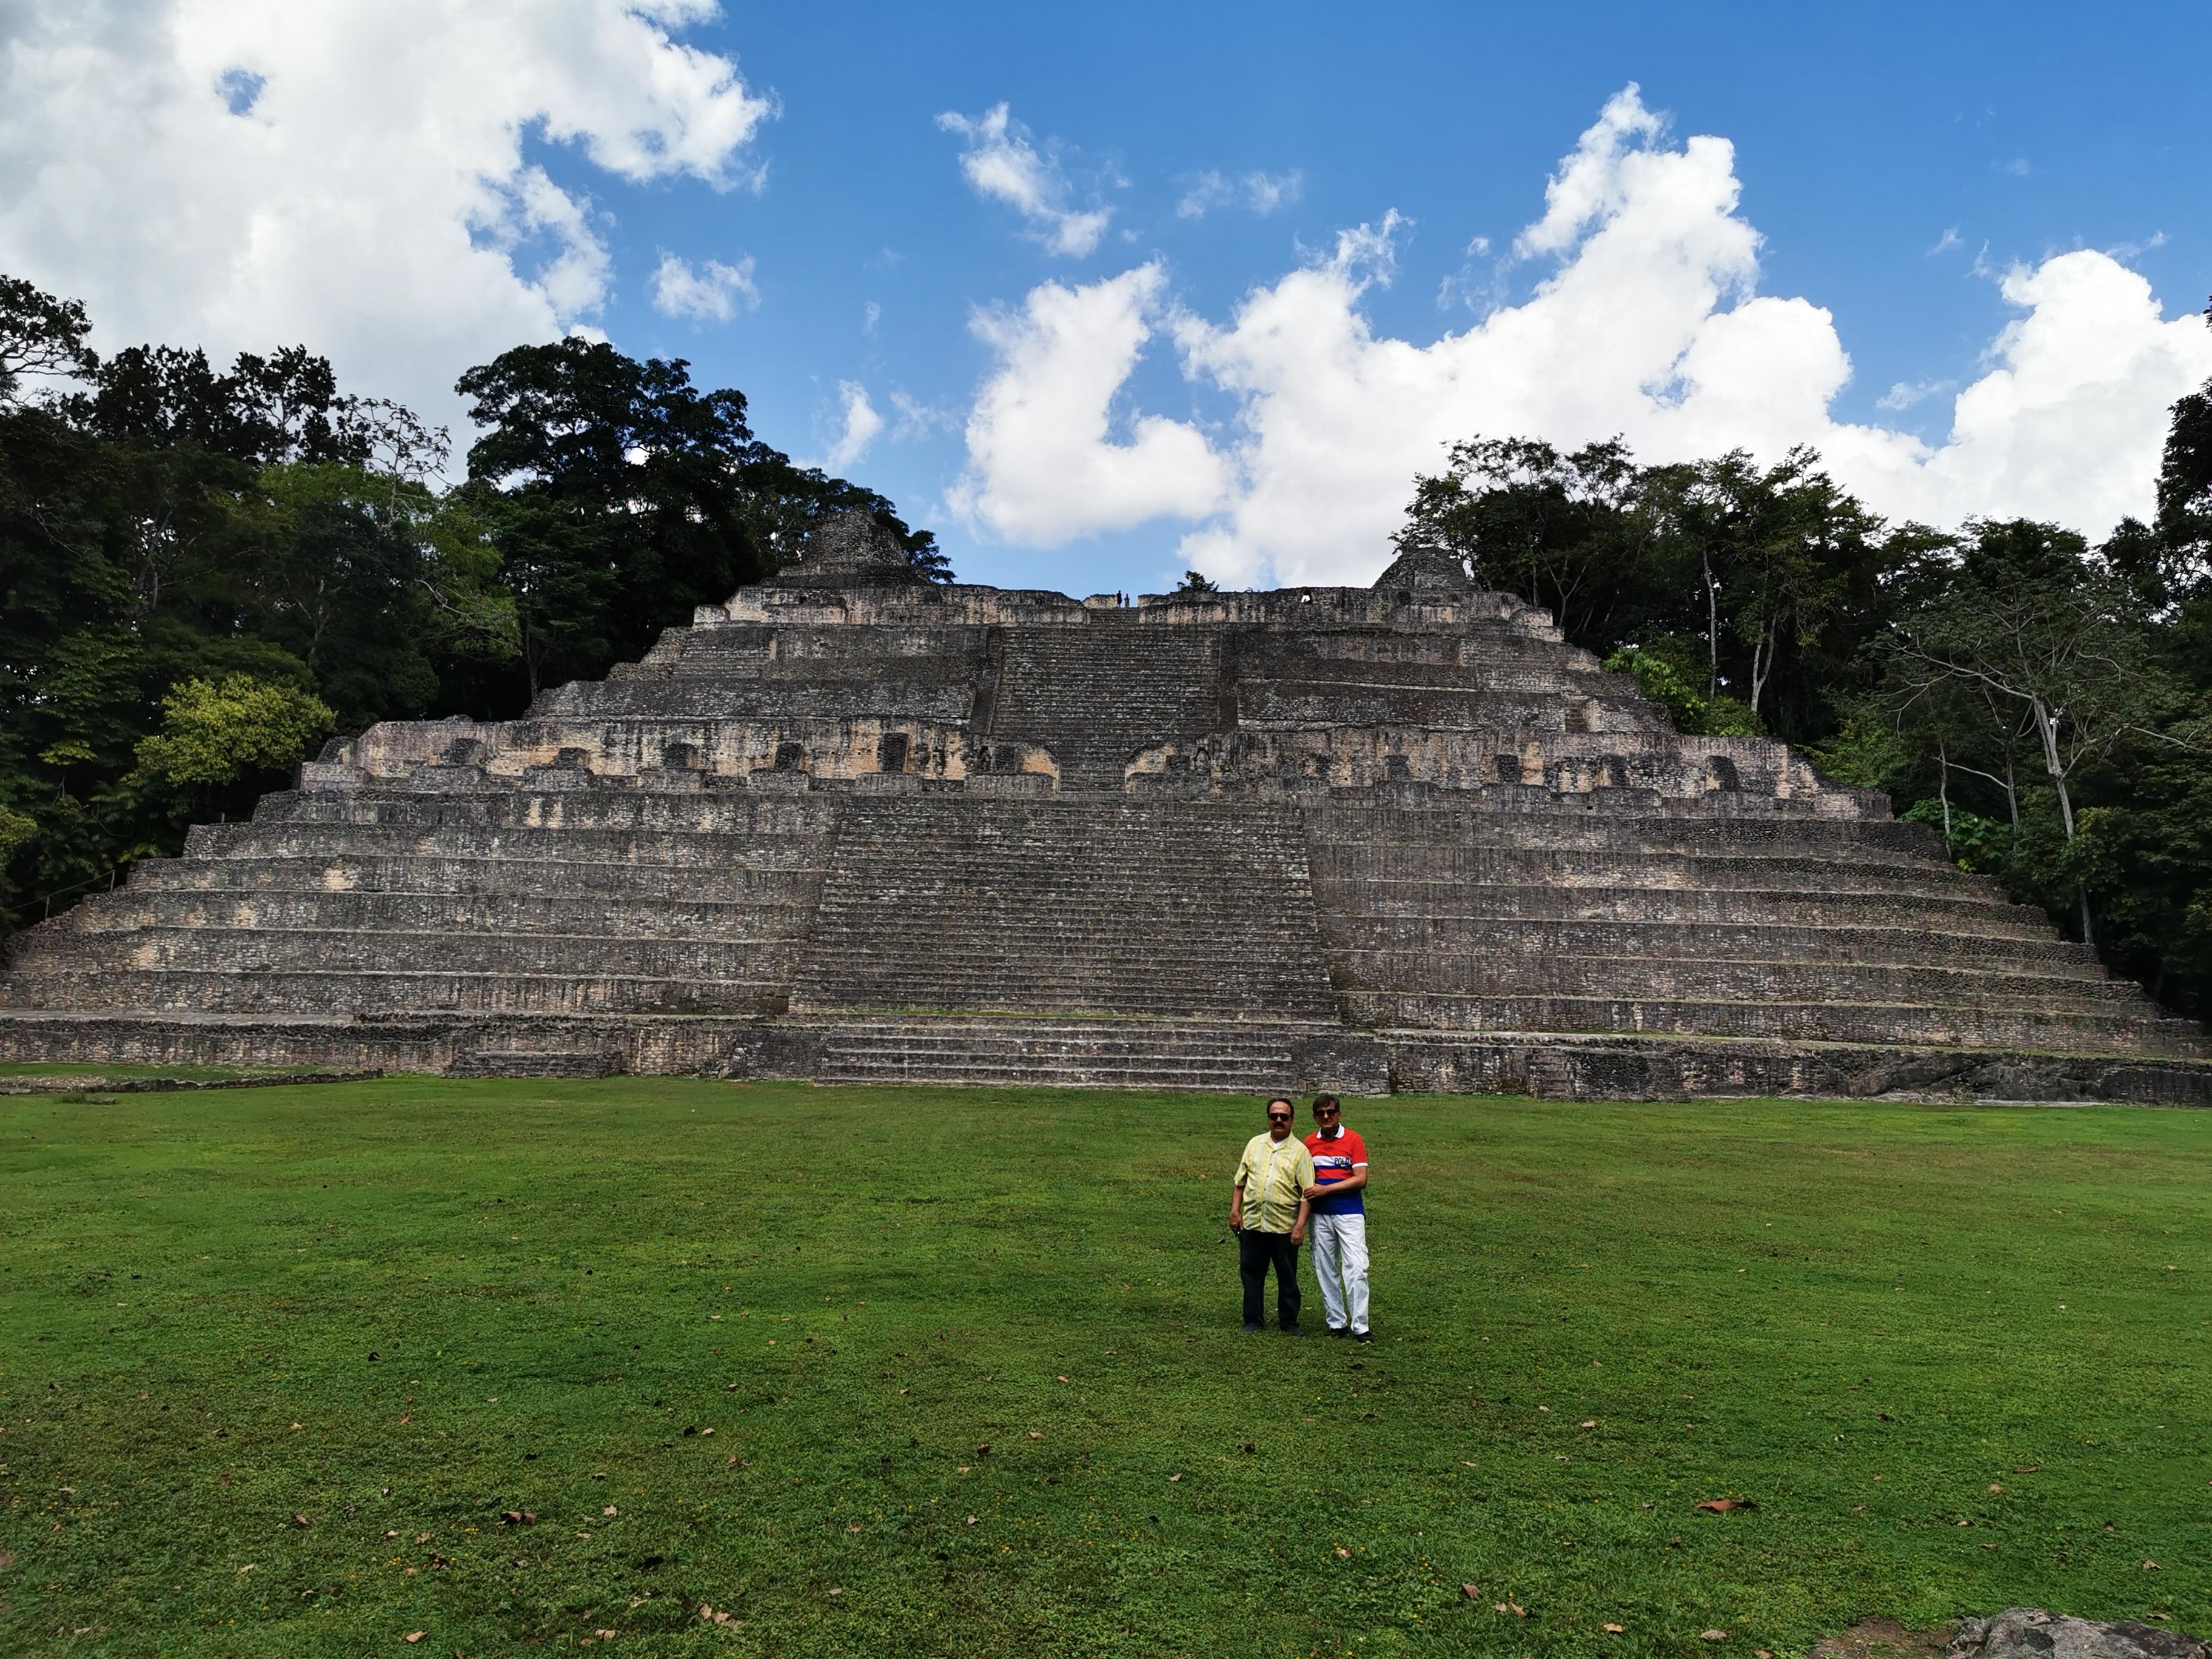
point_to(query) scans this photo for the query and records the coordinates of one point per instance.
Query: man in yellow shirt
(1268, 1213)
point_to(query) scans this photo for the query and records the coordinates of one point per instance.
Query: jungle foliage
(204, 574)
(2046, 704)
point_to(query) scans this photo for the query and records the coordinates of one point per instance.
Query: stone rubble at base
(2034, 1634)
(855, 827)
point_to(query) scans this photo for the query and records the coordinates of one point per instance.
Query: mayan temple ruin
(854, 827)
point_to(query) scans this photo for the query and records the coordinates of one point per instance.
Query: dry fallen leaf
(1034, 1435)
(1473, 1592)
(1591, 1424)
(1175, 1477)
(422, 1538)
(1516, 1609)
(609, 1510)
(1063, 1379)
(1724, 1505)
(855, 1527)
(983, 1449)
(605, 1635)
(415, 1636)
(1712, 1635)
(1993, 1486)
(298, 1520)
(1343, 1552)
(2150, 1567)
(394, 1533)
(1616, 1630)
(971, 1520)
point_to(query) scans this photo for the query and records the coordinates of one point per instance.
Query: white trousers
(1340, 1259)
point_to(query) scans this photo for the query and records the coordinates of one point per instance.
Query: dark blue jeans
(1255, 1253)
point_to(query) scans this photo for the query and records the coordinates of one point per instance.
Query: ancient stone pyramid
(854, 827)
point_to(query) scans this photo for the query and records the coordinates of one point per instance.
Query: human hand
(1299, 1234)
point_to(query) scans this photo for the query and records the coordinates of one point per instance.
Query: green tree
(41, 336)
(1566, 530)
(2047, 640)
(217, 733)
(621, 497)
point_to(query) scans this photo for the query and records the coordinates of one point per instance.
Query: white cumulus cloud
(713, 293)
(861, 423)
(1046, 461)
(352, 174)
(1647, 322)
(1001, 163)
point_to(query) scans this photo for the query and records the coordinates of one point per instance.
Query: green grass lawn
(744, 1345)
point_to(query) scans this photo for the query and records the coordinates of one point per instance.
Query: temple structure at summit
(854, 827)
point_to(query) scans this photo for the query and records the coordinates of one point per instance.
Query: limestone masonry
(854, 827)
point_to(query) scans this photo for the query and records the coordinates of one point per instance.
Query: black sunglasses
(1326, 1111)
(1279, 1118)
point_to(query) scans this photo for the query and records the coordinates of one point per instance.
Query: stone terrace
(854, 827)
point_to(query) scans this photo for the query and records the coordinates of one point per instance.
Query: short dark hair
(1280, 1100)
(1321, 1100)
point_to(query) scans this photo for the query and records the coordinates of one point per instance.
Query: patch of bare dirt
(1884, 1638)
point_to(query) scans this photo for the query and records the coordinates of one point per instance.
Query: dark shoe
(1254, 1325)
(1293, 1330)
(1340, 1330)
(1363, 1336)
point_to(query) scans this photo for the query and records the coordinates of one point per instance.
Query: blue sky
(1895, 163)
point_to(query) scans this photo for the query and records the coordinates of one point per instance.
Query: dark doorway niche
(891, 752)
(790, 758)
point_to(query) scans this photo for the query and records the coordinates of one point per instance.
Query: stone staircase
(1794, 930)
(1106, 907)
(363, 901)
(1095, 695)
(1246, 1058)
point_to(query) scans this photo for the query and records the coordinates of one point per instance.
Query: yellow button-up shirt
(1274, 1175)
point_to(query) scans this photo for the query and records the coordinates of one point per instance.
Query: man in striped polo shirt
(1340, 1219)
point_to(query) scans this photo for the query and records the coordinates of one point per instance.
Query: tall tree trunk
(2046, 726)
(1943, 789)
(1712, 625)
(1762, 658)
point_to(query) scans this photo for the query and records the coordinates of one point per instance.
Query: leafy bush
(216, 733)
(1665, 682)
